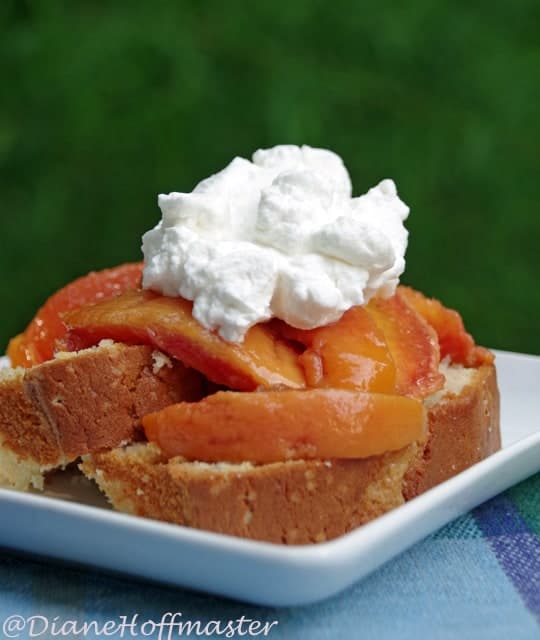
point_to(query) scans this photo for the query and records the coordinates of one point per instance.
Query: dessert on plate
(262, 373)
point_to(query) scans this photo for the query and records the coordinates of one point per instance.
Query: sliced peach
(412, 343)
(262, 359)
(271, 426)
(454, 340)
(38, 342)
(348, 354)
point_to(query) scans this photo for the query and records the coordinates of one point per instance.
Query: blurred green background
(104, 105)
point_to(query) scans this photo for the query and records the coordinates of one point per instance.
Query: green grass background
(103, 105)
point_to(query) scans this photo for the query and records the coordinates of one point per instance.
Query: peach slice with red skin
(145, 317)
(385, 347)
(412, 343)
(348, 354)
(453, 338)
(273, 426)
(38, 342)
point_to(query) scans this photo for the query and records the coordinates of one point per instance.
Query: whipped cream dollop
(280, 236)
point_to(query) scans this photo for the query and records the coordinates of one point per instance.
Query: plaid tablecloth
(477, 578)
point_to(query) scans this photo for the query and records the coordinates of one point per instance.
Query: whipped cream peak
(278, 236)
(287, 157)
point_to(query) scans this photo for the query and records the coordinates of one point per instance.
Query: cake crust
(92, 400)
(463, 430)
(293, 502)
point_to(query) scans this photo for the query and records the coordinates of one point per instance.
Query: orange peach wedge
(412, 343)
(144, 317)
(273, 426)
(348, 354)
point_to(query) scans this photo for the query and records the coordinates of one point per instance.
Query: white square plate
(265, 573)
